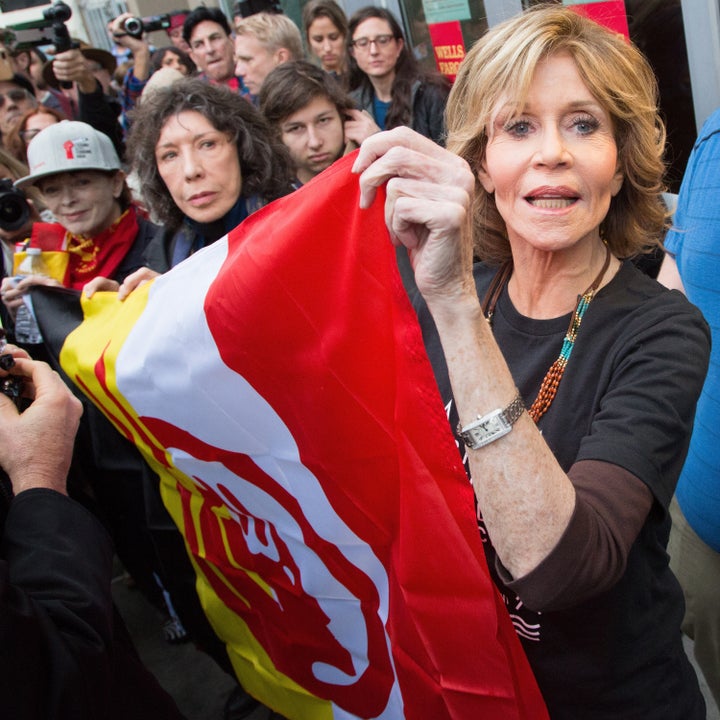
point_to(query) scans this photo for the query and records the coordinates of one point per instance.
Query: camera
(10, 385)
(135, 26)
(14, 208)
(34, 33)
(58, 14)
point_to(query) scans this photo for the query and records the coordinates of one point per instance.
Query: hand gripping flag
(277, 383)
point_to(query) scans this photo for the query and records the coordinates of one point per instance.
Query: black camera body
(14, 207)
(34, 33)
(135, 26)
(57, 15)
(11, 385)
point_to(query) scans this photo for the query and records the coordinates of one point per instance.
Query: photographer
(128, 31)
(138, 75)
(65, 652)
(94, 106)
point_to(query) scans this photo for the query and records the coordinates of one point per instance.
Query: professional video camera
(14, 208)
(35, 32)
(135, 26)
(245, 8)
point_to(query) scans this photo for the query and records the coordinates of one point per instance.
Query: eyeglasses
(366, 42)
(14, 96)
(28, 135)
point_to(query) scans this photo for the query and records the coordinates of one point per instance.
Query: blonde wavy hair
(502, 64)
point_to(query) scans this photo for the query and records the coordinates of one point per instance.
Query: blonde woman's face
(553, 167)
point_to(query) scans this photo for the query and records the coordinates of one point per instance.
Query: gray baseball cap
(68, 146)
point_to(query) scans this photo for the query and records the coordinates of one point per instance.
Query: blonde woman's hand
(428, 196)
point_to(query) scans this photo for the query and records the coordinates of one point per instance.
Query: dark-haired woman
(326, 32)
(172, 57)
(388, 82)
(205, 159)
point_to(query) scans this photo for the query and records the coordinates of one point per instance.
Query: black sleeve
(135, 257)
(429, 111)
(96, 109)
(56, 615)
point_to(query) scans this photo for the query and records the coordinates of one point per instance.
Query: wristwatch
(492, 426)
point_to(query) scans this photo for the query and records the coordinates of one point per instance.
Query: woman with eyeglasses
(29, 125)
(387, 81)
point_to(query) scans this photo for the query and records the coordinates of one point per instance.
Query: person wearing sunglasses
(387, 81)
(17, 96)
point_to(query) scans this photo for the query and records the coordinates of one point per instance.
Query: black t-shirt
(627, 397)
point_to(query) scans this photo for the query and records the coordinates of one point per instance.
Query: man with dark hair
(207, 31)
(312, 115)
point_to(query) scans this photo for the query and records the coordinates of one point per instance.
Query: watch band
(492, 426)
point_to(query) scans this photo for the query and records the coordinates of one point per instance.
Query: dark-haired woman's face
(327, 43)
(171, 60)
(199, 165)
(375, 48)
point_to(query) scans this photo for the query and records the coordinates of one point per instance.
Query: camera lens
(14, 210)
(134, 27)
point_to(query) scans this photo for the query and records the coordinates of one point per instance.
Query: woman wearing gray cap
(98, 230)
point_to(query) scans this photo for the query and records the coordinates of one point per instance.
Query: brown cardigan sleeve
(611, 506)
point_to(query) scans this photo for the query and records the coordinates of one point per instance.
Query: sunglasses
(14, 96)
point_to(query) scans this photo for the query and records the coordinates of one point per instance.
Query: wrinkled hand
(70, 66)
(134, 280)
(121, 38)
(140, 47)
(36, 445)
(429, 192)
(359, 126)
(100, 284)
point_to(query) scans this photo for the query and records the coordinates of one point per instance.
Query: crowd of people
(516, 200)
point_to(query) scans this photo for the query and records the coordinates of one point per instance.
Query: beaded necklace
(551, 381)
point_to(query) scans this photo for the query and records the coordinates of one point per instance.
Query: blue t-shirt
(380, 111)
(694, 240)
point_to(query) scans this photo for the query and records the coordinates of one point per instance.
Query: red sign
(610, 13)
(448, 46)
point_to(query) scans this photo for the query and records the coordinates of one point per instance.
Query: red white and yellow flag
(278, 384)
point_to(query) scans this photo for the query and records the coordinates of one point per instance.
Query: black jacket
(428, 100)
(65, 652)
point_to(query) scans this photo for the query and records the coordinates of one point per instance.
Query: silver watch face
(486, 429)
